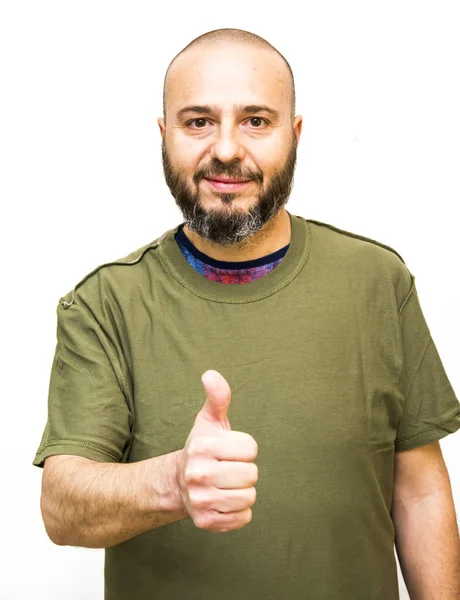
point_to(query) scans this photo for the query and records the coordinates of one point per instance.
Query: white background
(82, 183)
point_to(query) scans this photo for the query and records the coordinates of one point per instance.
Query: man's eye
(258, 119)
(197, 121)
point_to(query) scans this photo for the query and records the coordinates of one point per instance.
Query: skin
(251, 222)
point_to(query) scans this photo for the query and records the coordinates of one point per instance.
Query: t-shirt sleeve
(88, 411)
(431, 410)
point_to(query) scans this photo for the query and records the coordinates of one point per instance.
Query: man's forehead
(203, 72)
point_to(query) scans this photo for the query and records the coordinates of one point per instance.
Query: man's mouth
(227, 179)
(226, 184)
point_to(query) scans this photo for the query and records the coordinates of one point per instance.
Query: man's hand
(216, 474)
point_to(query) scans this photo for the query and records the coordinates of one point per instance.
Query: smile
(226, 187)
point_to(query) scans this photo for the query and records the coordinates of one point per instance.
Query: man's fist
(216, 474)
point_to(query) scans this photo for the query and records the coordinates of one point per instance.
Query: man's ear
(297, 126)
(162, 125)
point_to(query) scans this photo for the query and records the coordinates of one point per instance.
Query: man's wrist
(176, 496)
(158, 489)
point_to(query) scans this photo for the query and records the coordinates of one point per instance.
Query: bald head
(201, 49)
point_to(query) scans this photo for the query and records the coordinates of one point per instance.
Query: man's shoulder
(355, 241)
(117, 275)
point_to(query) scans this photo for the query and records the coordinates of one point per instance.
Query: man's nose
(227, 144)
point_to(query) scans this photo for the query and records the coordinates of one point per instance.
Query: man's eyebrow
(250, 108)
(255, 108)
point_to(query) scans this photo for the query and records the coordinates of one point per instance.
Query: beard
(232, 227)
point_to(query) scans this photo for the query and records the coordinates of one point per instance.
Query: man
(322, 384)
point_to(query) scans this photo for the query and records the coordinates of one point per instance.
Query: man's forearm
(96, 505)
(428, 546)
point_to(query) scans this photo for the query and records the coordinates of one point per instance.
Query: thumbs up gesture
(216, 475)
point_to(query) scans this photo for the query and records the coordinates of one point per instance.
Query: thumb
(218, 396)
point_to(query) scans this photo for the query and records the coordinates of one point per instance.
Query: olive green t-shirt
(332, 369)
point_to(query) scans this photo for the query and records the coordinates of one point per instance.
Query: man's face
(227, 141)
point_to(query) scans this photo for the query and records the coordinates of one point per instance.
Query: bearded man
(244, 346)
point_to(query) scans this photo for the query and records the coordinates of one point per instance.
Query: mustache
(230, 172)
